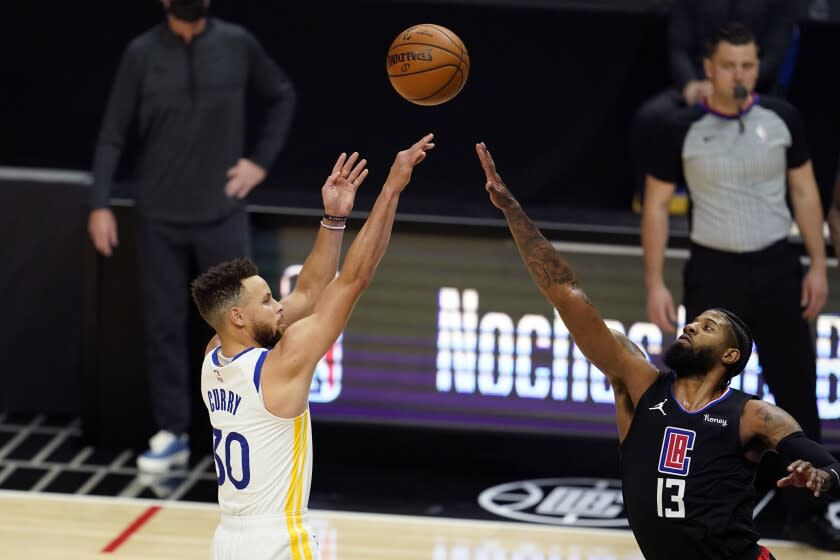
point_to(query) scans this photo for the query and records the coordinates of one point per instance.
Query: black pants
(764, 289)
(168, 257)
(647, 122)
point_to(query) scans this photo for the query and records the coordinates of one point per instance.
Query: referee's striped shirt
(735, 170)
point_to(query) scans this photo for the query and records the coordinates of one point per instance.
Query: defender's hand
(406, 160)
(102, 228)
(243, 177)
(805, 475)
(339, 190)
(500, 196)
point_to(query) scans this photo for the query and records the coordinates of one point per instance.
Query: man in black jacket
(184, 84)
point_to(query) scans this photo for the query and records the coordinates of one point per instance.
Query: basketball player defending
(258, 368)
(689, 443)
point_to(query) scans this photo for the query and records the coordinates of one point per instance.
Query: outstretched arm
(338, 193)
(288, 371)
(556, 280)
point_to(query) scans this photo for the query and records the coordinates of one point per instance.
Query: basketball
(428, 64)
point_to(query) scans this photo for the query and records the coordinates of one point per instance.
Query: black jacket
(188, 102)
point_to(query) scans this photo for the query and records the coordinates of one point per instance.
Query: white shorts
(264, 537)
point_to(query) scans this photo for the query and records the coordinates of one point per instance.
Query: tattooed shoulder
(773, 420)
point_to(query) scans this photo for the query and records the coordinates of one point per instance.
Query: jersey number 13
(669, 497)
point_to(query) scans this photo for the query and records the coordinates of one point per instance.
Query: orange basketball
(428, 64)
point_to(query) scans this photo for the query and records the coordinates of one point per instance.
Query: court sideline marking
(132, 528)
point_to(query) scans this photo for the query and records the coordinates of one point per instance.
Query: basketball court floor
(60, 499)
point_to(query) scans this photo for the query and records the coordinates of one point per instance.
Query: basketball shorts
(264, 537)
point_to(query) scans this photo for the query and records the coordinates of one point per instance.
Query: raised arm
(288, 370)
(319, 268)
(556, 280)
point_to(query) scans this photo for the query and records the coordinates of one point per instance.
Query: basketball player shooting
(689, 443)
(258, 368)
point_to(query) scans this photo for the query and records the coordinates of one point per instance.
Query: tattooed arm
(624, 367)
(765, 427)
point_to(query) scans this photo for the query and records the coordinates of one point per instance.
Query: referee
(737, 153)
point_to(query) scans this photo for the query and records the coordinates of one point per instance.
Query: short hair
(733, 33)
(220, 287)
(742, 338)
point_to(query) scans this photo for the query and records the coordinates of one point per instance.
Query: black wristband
(797, 446)
(335, 218)
(833, 471)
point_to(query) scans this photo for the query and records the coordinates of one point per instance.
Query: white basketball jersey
(263, 463)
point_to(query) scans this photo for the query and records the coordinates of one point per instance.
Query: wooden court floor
(40, 526)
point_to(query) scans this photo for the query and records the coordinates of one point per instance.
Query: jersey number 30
(669, 497)
(230, 467)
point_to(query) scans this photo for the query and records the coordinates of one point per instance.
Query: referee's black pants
(169, 255)
(764, 288)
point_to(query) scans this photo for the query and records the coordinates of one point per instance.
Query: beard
(267, 335)
(686, 361)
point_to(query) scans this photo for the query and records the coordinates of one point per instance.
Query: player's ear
(730, 356)
(235, 316)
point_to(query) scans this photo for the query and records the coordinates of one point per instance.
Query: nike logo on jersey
(660, 407)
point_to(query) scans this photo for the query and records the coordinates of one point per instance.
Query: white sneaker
(166, 450)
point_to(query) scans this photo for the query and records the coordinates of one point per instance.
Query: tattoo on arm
(543, 262)
(775, 423)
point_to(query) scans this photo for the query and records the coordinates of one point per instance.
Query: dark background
(552, 89)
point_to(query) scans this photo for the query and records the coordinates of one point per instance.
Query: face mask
(188, 10)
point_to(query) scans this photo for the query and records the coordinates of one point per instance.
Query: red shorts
(765, 554)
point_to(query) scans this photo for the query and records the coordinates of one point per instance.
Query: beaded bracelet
(343, 226)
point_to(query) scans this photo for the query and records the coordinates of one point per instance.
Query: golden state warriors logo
(326, 383)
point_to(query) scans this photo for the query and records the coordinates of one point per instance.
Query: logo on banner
(676, 443)
(326, 383)
(581, 502)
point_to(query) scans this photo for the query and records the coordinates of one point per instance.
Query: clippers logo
(674, 457)
(326, 383)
